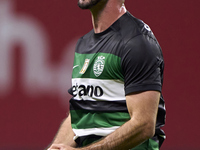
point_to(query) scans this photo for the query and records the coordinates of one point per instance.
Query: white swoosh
(75, 66)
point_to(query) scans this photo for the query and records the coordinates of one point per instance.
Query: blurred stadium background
(37, 40)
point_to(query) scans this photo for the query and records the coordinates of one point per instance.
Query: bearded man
(117, 79)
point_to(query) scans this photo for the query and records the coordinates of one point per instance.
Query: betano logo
(89, 90)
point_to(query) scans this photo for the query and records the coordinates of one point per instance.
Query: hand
(60, 147)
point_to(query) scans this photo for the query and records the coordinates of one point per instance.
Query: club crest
(99, 65)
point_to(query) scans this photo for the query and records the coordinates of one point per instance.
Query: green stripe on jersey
(83, 120)
(97, 65)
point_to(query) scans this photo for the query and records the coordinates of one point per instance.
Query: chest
(97, 66)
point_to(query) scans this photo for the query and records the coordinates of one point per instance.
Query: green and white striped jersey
(123, 59)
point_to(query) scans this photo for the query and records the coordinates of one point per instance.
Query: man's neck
(105, 13)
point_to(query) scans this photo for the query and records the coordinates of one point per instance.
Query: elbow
(149, 130)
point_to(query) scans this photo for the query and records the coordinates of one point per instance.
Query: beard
(87, 4)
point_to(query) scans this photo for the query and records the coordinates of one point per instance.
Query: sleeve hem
(142, 88)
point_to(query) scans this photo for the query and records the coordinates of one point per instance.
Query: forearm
(65, 134)
(127, 136)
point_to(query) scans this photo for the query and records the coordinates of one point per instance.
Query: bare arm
(65, 134)
(143, 109)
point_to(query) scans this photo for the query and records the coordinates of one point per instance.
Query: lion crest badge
(99, 65)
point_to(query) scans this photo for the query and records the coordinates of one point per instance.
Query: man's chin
(87, 5)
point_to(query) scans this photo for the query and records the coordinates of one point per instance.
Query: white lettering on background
(38, 74)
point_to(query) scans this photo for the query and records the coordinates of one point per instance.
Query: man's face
(87, 4)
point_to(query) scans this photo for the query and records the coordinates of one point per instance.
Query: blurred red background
(37, 40)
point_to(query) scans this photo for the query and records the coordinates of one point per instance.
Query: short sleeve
(142, 65)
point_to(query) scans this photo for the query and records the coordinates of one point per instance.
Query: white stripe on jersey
(95, 131)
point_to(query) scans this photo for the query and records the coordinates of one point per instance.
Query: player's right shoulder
(87, 35)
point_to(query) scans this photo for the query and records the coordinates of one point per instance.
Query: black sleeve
(141, 65)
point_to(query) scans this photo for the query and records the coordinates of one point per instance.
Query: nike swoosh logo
(75, 66)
